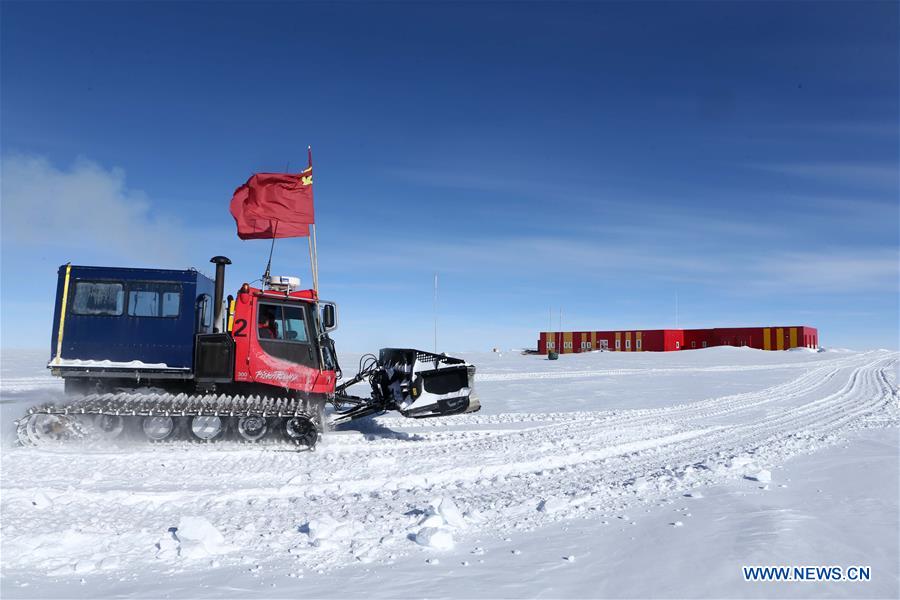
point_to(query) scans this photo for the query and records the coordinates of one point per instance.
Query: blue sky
(601, 158)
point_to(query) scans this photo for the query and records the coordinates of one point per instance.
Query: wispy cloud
(865, 175)
(82, 207)
(844, 272)
(887, 128)
(737, 268)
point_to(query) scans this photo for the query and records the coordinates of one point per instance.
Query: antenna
(267, 276)
(676, 310)
(434, 308)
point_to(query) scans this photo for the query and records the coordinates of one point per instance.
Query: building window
(550, 345)
(567, 345)
(618, 344)
(678, 345)
(628, 344)
(704, 344)
(638, 342)
(693, 344)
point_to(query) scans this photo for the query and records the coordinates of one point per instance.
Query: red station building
(666, 340)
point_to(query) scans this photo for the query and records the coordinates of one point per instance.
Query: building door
(604, 344)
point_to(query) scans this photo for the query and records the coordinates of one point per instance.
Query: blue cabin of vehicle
(124, 315)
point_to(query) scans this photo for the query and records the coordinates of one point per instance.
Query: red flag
(274, 205)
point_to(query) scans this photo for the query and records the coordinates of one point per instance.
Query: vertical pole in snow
(676, 310)
(434, 308)
(559, 335)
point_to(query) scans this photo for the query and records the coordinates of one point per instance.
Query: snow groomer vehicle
(164, 355)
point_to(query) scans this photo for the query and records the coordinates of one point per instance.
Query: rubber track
(178, 405)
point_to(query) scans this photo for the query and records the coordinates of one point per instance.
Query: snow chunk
(441, 516)
(167, 547)
(200, 536)
(442, 511)
(199, 529)
(327, 528)
(451, 514)
(195, 537)
(551, 505)
(433, 521)
(40, 501)
(433, 537)
(762, 476)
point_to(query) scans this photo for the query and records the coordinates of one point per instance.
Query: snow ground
(536, 494)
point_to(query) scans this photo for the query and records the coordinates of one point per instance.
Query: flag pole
(313, 245)
(314, 257)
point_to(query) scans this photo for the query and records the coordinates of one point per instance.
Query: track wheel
(207, 427)
(158, 428)
(43, 428)
(252, 428)
(109, 426)
(301, 430)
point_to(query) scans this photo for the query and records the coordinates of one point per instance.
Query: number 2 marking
(239, 326)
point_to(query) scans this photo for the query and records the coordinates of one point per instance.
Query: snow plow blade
(423, 384)
(416, 383)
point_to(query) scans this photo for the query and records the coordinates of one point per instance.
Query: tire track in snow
(603, 461)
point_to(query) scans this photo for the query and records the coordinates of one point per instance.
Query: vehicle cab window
(269, 320)
(283, 332)
(294, 329)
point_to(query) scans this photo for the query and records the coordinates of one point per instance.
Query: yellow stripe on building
(593, 340)
(779, 339)
(767, 339)
(567, 342)
(627, 341)
(618, 341)
(639, 343)
(793, 337)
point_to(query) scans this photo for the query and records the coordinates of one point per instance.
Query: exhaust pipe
(218, 322)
